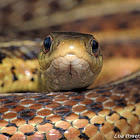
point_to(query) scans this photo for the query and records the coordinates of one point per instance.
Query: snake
(48, 98)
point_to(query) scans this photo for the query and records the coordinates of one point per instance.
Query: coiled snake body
(93, 114)
(68, 61)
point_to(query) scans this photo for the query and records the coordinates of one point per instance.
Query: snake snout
(71, 71)
(70, 57)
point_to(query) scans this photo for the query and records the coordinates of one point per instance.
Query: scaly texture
(101, 113)
(93, 114)
(72, 61)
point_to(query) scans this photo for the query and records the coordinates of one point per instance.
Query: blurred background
(114, 23)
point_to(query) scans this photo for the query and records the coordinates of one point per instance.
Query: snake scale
(107, 112)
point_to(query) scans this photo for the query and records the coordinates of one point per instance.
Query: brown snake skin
(102, 113)
(94, 114)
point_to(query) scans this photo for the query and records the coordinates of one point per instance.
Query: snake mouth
(70, 62)
(69, 72)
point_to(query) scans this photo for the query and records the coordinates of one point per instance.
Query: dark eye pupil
(47, 43)
(94, 46)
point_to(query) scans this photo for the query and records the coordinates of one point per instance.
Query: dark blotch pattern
(32, 79)
(95, 107)
(83, 135)
(122, 104)
(98, 125)
(123, 118)
(111, 112)
(29, 133)
(27, 114)
(96, 28)
(2, 85)
(135, 12)
(62, 111)
(22, 52)
(2, 56)
(34, 71)
(116, 130)
(14, 75)
(27, 16)
(123, 25)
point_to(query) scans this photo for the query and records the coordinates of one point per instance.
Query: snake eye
(95, 47)
(47, 44)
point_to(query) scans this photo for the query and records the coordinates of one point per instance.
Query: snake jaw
(68, 73)
(70, 63)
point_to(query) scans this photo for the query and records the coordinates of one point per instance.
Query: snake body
(101, 113)
(108, 112)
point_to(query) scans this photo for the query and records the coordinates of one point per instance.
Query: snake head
(69, 60)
